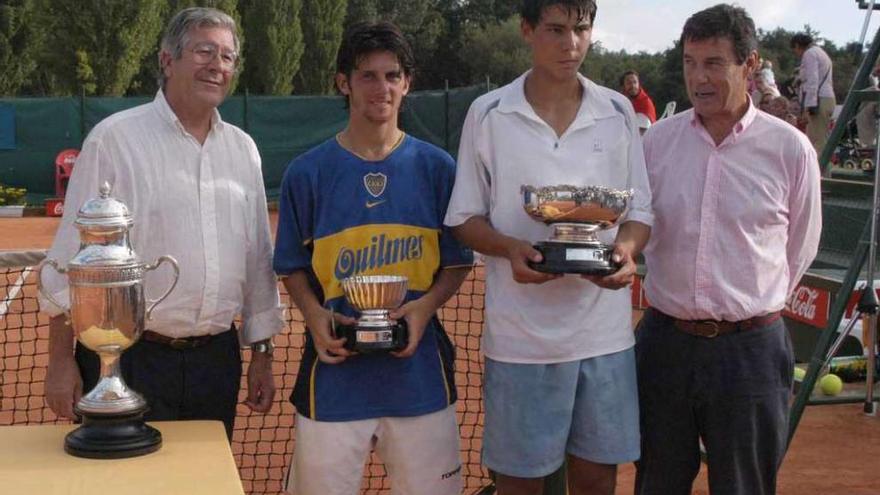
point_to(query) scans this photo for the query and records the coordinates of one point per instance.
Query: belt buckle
(179, 344)
(716, 329)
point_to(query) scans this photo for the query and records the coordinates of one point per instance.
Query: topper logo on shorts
(375, 183)
(450, 474)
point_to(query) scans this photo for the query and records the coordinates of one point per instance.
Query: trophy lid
(103, 223)
(103, 213)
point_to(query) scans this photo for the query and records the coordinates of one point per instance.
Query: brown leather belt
(177, 343)
(713, 328)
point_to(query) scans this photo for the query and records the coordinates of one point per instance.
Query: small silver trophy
(107, 313)
(576, 214)
(374, 296)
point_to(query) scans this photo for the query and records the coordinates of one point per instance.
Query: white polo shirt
(504, 145)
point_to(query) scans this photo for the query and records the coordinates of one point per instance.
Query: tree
(274, 47)
(322, 33)
(97, 46)
(361, 11)
(496, 51)
(21, 39)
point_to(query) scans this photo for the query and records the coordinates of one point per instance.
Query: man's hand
(520, 253)
(260, 382)
(417, 316)
(622, 277)
(320, 323)
(63, 385)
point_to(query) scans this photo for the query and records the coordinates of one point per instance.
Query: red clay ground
(836, 449)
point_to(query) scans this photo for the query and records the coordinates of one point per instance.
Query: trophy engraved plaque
(576, 214)
(374, 296)
(107, 312)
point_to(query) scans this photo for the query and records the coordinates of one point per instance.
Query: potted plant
(12, 201)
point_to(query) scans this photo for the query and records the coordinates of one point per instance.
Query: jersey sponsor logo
(381, 251)
(371, 204)
(377, 249)
(375, 183)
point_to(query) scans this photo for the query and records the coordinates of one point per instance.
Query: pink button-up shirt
(735, 225)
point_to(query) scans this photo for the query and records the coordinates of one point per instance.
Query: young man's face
(631, 85)
(559, 42)
(376, 87)
(193, 77)
(716, 83)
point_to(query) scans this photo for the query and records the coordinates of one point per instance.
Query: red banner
(809, 305)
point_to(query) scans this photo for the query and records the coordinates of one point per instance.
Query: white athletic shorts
(420, 453)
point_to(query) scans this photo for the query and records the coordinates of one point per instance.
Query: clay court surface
(836, 450)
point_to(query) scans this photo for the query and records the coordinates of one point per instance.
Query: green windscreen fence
(282, 126)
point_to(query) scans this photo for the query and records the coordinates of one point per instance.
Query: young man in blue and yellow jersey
(371, 201)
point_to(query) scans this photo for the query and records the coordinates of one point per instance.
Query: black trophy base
(374, 339)
(113, 437)
(571, 257)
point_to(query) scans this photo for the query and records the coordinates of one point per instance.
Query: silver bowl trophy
(107, 313)
(576, 214)
(374, 296)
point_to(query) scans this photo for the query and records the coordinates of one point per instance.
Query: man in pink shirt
(737, 222)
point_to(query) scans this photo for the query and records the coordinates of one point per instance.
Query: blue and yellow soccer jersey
(342, 216)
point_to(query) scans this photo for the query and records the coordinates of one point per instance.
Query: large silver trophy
(374, 296)
(576, 214)
(107, 313)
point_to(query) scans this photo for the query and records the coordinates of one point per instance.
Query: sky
(653, 25)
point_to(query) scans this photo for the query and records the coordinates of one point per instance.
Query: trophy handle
(53, 264)
(173, 284)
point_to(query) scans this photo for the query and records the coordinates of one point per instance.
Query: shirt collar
(167, 114)
(741, 125)
(593, 107)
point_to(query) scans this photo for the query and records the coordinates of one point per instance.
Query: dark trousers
(731, 391)
(200, 383)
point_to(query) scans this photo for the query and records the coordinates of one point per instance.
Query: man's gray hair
(177, 31)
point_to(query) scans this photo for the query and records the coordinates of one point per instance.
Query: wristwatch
(265, 346)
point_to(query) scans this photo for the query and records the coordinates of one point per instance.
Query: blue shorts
(536, 413)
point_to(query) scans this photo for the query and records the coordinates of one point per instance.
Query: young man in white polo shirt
(560, 372)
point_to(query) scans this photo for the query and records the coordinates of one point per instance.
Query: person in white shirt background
(816, 89)
(194, 186)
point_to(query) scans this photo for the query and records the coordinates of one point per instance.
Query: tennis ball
(831, 384)
(799, 373)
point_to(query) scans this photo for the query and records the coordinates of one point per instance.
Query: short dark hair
(628, 73)
(532, 10)
(364, 38)
(801, 40)
(723, 21)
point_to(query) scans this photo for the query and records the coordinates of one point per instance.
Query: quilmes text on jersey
(381, 251)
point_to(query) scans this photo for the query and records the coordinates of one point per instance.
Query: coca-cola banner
(809, 305)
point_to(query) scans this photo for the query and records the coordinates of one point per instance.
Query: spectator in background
(780, 107)
(641, 102)
(817, 90)
(767, 75)
(866, 119)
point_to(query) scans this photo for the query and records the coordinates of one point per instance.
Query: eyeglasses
(205, 53)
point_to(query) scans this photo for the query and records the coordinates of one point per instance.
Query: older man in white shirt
(194, 186)
(817, 88)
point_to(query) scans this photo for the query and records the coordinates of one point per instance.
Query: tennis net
(262, 443)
